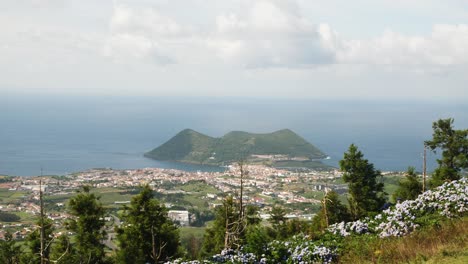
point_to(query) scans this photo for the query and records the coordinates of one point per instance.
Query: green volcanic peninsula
(282, 148)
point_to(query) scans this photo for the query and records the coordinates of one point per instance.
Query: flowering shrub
(299, 249)
(449, 200)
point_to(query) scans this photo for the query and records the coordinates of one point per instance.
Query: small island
(280, 149)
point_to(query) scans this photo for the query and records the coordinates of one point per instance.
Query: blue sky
(366, 49)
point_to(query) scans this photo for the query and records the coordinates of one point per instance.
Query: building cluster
(261, 184)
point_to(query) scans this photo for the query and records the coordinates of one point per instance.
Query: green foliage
(277, 216)
(366, 194)
(454, 146)
(187, 145)
(332, 211)
(201, 217)
(4, 178)
(229, 221)
(8, 217)
(191, 146)
(34, 243)
(63, 251)
(408, 188)
(191, 240)
(256, 240)
(148, 235)
(10, 252)
(88, 223)
(434, 243)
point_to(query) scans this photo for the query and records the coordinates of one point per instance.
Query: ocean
(65, 134)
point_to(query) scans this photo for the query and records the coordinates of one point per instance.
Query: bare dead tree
(235, 215)
(325, 209)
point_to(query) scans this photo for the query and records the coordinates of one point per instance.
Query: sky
(359, 49)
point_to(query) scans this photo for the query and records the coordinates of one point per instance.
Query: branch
(64, 253)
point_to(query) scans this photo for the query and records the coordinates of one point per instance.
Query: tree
(366, 195)
(277, 216)
(278, 222)
(88, 224)
(454, 146)
(223, 232)
(34, 242)
(63, 252)
(332, 211)
(9, 251)
(256, 240)
(148, 235)
(408, 188)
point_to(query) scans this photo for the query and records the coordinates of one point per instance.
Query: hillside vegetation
(193, 147)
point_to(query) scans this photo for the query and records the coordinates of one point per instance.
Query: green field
(7, 196)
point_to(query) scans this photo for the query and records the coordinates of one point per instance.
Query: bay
(65, 134)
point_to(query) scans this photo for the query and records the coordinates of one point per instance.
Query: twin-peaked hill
(281, 148)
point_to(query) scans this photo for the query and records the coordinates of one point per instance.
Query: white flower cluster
(449, 200)
(346, 229)
(234, 256)
(299, 249)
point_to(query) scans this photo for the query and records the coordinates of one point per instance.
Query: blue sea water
(68, 134)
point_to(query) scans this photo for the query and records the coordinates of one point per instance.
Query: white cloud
(445, 46)
(142, 33)
(273, 34)
(235, 47)
(269, 34)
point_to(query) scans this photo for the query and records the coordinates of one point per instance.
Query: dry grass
(438, 244)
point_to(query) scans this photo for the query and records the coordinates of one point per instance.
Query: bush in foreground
(447, 201)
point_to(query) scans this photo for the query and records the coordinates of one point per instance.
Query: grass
(25, 218)
(7, 196)
(444, 243)
(391, 184)
(187, 231)
(198, 186)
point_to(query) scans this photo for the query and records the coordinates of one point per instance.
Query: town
(183, 193)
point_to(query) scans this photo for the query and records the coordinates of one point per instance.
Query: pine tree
(34, 243)
(148, 235)
(366, 194)
(63, 252)
(454, 146)
(10, 252)
(88, 224)
(408, 188)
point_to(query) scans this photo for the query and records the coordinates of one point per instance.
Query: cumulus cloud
(445, 46)
(270, 34)
(273, 34)
(143, 34)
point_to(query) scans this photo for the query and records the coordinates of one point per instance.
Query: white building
(179, 216)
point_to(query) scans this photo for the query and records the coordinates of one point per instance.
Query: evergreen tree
(34, 243)
(331, 211)
(88, 224)
(408, 188)
(454, 146)
(256, 240)
(277, 216)
(215, 235)
(10, 252)
(278, 222)
(63, 252)
(148, 235)
(366, 194)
